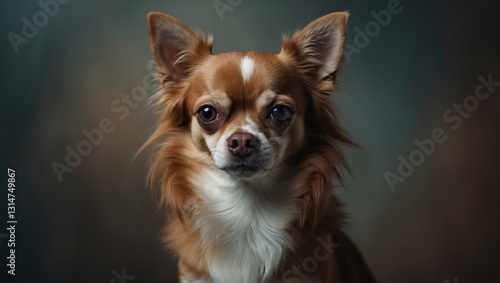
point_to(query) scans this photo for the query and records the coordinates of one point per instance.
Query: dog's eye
(281, 113)
(207, 114)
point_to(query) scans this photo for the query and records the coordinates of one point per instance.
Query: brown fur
(313, 159)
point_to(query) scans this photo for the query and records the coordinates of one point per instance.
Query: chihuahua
(248, 149)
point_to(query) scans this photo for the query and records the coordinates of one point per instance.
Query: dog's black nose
(242, 144)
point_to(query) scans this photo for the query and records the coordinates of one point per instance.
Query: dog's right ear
(317, 49)
(176, 48)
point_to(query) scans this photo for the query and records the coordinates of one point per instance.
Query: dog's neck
(243, 224)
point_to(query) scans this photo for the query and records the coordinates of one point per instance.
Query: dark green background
(441, 223)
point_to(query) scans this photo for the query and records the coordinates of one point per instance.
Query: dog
(247, 151)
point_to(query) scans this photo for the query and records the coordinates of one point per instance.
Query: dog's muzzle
(245, 161)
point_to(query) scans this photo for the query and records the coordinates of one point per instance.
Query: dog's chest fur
(243, 225)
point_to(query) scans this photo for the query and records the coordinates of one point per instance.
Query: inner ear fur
(317, 49)
(175, 47)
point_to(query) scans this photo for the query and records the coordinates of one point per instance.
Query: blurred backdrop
(409, 66)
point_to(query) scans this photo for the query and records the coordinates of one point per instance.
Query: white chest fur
(242, 225)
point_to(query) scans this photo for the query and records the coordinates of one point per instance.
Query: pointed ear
(176, 48)
(317, 49)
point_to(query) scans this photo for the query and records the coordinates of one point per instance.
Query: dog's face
(247, 111)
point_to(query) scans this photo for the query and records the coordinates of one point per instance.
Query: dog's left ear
(318, 48)
(176, 48)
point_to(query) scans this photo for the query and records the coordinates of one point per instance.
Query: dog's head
(248, 111)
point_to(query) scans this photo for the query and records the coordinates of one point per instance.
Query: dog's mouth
(243, 170)
(245, 156)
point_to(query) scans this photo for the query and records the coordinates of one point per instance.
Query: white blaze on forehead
(246, 67)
